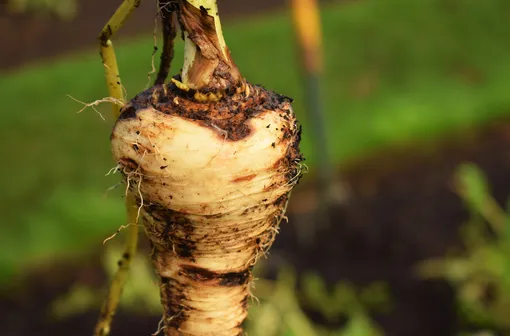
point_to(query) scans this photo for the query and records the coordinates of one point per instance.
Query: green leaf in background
(360, 325)
(480, 272)
(473, 187)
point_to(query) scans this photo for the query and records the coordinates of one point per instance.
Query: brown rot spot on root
(280, 201)
(271, 186)
(290, 163)
(231, 279)
(171, 298)
(244, 303)
(129, 164)
(185, 249)
(171, 230)
(244, 178)
(128, 112)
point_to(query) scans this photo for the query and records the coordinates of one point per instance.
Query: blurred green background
(397, 72)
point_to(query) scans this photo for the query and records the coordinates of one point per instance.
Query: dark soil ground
(401, 207)
(401, 210)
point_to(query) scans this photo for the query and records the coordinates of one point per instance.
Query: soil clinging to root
(228, 116)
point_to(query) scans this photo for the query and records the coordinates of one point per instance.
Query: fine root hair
(122, 227)
(96, 103)
(161, 327)
(153, 56)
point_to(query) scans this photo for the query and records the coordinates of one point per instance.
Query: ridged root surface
(212, 181)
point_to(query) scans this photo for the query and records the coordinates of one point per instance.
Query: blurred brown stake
(307, 25)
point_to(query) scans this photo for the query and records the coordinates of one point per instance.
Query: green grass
(55, 161)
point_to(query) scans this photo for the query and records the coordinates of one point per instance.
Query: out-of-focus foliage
(344, 298)
(141, 293)
(65, 9)
(481, 272)
(279, 311)
(479, 333)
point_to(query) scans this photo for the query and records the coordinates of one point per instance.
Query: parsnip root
(218, 157)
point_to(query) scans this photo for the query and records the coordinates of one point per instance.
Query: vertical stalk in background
(306, 19)
(115, 91)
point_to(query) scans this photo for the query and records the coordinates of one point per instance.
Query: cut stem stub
(207, 62)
